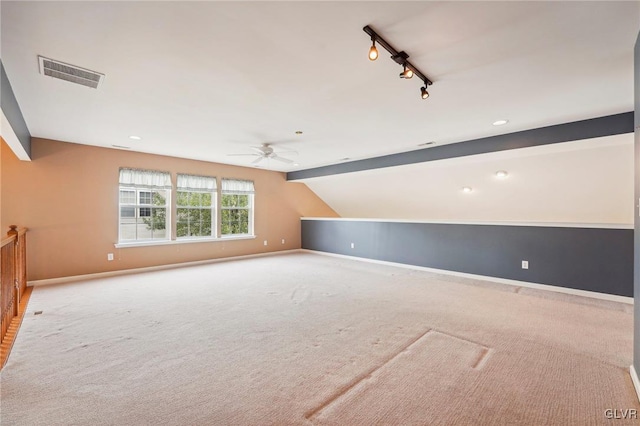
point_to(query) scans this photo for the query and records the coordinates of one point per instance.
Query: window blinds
(146, 178)
(237, 186)
(196, 183)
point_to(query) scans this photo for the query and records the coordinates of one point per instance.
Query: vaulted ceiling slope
(206, 79)
(581, 182)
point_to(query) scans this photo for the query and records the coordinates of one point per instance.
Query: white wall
(588, 181)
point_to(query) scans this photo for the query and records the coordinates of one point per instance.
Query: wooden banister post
(13, 232)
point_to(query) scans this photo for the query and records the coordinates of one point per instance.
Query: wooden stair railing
(13, 276)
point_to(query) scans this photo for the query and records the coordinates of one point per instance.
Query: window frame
(250, 216)
(137, 206)
(136, 186)
(139, 190)
(213, 208)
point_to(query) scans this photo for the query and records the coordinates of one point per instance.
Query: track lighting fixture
(406, 73)
(373, 52)
(408, 69)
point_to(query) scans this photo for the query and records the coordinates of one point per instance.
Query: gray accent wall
(11, 110)
(578, 130)
(592, 259)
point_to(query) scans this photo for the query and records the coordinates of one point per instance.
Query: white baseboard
(635, 380)
(575, 292)
(76, 278)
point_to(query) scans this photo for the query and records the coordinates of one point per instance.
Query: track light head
(423, 92)
(373, 51)
(406, 73)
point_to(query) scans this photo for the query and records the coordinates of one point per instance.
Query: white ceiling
(205, 79)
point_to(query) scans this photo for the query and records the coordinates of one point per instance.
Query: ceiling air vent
(71, 73)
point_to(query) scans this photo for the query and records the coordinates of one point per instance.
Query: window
(144, 205)
(236, 207)
(145, 197)
(196, 206)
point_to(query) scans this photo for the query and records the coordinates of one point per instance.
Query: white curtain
(237, 186)
(196, 183)
(146, 178)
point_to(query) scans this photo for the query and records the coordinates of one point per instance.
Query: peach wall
(3, 143)
(68, 198)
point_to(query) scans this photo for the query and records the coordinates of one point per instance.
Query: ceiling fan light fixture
(265, 151)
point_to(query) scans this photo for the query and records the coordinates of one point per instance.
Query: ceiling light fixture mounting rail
(409, 70)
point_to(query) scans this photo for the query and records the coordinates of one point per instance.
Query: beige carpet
(303, 338)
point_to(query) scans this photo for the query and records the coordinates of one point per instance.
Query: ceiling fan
(265, 151)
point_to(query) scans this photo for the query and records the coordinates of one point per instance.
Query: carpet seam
(343, 390)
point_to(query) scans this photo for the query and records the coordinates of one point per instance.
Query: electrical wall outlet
(283, 241)
(265, 242)
(109, 257)
(353, 245)
(525, 264)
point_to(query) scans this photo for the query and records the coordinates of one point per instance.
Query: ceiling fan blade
(243, 155)
(257, 149)
(257, 160)
(281, 159)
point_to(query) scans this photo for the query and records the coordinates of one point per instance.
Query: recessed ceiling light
(298, 132)
(427, 143)
(345, 159)
(467, 189)
(500, 122)
(296, 164)
(121, 147)
(135, 138)
(502, 174)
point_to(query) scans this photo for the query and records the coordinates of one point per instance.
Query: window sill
(182, 241)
